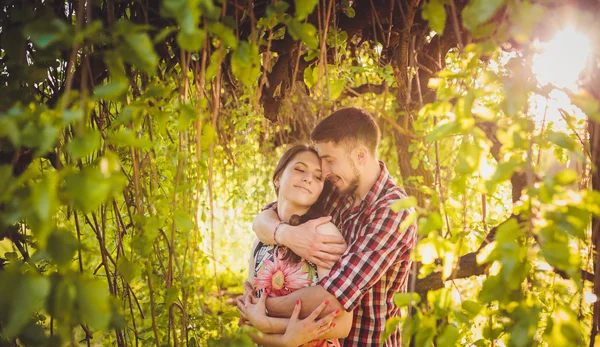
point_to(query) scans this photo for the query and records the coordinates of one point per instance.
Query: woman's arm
(343, 322)
(299, 331)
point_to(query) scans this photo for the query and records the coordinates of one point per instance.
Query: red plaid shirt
(377, 262)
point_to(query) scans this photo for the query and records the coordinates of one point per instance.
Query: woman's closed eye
(299, 170)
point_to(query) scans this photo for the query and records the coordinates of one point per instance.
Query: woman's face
(301, 182)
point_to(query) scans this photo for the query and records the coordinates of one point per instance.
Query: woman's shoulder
(328, 229)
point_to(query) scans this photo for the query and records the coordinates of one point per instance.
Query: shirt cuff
(349, 296)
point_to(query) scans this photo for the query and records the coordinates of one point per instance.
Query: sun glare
(560, 60)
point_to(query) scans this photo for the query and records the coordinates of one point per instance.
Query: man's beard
(353, 184)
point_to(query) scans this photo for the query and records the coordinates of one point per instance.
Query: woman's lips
(305, 189)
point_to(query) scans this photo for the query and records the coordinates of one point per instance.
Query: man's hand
(305, 241)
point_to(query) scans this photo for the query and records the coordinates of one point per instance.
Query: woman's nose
(307, 178)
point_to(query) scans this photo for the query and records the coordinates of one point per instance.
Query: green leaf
(561, 140)
(432, 222)
(28, 294)
(208, 136)
(9, 129)
(127, 269)
(93, 303)
(503, 172)
(303, 31)
(62, 246)
(304, 8)
(449, 336)
(44, 31)
(91, 187)
(404, 204)
(435, 14)
(84, 145)
(138, 50)
(225, 33)
(192, 41)
(469, 156)
(112, 90)
(472, 308)
(478, 12)
(444, 130)
(44, 197)
(182, 221)
(391, 326)
(245, 63)
(566, 177)
(128, 139)
(336, 88)
(405, 299)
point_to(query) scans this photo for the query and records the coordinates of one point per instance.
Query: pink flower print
(279, 278)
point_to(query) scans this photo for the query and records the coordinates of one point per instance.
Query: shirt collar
(378, 186)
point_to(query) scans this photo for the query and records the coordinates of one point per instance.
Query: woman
(276, 270)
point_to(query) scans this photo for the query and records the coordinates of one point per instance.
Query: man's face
(339, 167)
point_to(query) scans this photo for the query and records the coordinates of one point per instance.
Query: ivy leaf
(304, 8)
(478, 12)
(435, 13)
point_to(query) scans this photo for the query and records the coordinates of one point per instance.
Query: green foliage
(135, 154)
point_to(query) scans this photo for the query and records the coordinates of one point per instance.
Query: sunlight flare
(560, 60)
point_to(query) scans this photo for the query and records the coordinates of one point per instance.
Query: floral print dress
(276, 277)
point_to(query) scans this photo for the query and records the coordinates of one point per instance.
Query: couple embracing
(329, 253)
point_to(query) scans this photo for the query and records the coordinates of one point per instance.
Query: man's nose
(326, 170)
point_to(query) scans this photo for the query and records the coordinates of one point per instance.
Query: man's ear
(362, 154)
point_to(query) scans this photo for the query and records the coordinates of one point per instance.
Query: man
(377, 261)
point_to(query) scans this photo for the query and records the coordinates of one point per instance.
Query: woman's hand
(255, 311)
(300, 331)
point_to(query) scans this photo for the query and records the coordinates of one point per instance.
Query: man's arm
(304, 240)
(380, 246)
(311, 297)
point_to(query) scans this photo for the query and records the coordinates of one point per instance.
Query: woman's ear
(276, 183)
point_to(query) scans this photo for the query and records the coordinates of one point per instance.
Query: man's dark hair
(351, 126)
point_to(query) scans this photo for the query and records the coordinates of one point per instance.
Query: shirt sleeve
(379, 245)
